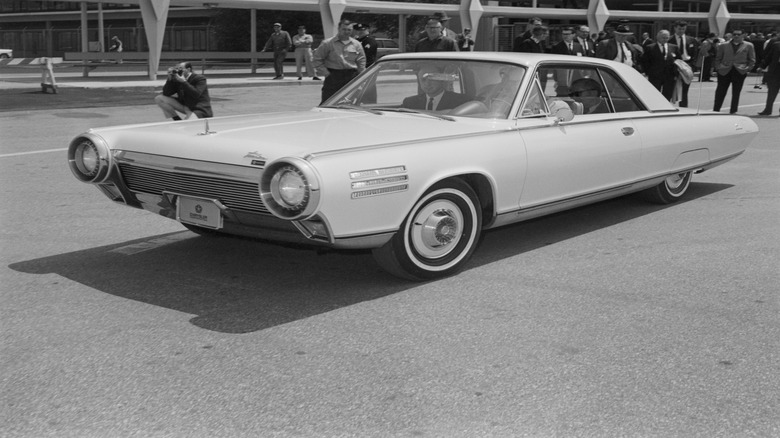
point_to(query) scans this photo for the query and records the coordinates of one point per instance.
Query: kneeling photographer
(184, 93)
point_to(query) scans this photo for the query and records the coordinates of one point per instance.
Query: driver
(498, 97)
(433, 95)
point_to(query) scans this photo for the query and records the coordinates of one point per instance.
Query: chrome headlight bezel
(90, 158)
(281, 197)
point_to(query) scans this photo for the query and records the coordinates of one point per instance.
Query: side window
(535, 103)
(622, 99)
(580, 87)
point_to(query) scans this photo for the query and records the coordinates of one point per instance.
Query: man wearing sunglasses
(734, 60)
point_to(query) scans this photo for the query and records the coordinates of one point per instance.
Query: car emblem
(255, 154)
(198, 209)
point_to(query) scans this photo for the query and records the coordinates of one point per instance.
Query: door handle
(627, 131)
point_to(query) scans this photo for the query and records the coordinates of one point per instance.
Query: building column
(154, 14)
(718, 17)
(470, 13)
(598, 14)
(331, 11)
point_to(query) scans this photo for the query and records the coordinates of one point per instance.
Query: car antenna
(206, 131)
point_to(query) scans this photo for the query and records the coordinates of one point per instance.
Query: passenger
(587, 91)
(498, 97)
(434, 95)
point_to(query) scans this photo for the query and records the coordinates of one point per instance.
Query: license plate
(198, 211)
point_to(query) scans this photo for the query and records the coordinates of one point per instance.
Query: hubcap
(437, 228)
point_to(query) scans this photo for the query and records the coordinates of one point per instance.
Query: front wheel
(670, 190)
(438, 236)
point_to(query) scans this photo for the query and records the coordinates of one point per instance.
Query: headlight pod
(89, 158)
(290, 189)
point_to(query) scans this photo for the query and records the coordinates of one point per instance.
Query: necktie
(663, 50)
(430, 104)
(571, 49)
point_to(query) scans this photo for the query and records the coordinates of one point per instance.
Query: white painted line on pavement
(18, 154)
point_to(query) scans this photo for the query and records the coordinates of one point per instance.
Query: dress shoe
(300, 78)
(315, 78)
(278, 77)
(764, 113)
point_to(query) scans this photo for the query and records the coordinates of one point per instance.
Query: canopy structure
(155, 14)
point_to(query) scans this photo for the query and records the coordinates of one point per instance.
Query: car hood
(239, 139)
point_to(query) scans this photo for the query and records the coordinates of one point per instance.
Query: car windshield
(478, 89)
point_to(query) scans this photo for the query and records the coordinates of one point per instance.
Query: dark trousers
(706, 67)
(773, 84)
(335, 80)
(279, 62)
(734, 79)
(664, 84)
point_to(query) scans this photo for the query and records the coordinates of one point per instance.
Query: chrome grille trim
(150, 174)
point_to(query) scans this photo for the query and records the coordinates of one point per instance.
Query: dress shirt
(681, 43)
(302, 41)
(334, 54)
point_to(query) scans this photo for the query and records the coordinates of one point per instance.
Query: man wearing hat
(689, 49)
(302, 43)
(278, 42)
(435, 41)
(618, 48)
(367, 41)
(444, 19)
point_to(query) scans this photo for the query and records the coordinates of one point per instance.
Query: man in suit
(583, 37)
(534, 44)
(618, 48)
(689, 50)
(434, 95)
(568, 46)
(658, 62)
(734, 60)
(771, 64)
(532, 23)
(435, 41)
(184, 92)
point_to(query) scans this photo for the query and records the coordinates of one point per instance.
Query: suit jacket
(194, 94)
(656, 65)
(448, 101)
(530, 46)
(691, 46)
(743, 59)
(562, 49)
(607, 49)
(771, 60)
(589, 47)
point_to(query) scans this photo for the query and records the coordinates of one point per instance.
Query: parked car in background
(380, 166)
(386, 46)
(6, 53)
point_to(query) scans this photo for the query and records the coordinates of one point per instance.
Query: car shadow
(239, 286)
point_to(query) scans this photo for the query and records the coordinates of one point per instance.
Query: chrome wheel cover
(436, 229)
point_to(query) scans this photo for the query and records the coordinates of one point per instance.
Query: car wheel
(438, 236)
(670, 190)
(3, 56)
(207, 232)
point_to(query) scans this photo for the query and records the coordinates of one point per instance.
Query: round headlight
(289, 189)
(89, 158)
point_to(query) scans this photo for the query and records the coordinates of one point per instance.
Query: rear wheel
(438, 236)
(3, 55)
(670, 190)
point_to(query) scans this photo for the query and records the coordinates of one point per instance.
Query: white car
(6, 53)
(383, 166)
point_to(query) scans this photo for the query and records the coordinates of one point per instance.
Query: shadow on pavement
(66, 98)
(241, 286)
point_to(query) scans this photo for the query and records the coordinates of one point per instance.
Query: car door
(573, 161)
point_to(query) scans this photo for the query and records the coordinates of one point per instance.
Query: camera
(178, 71)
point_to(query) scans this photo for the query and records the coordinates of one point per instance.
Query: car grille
(237, 195)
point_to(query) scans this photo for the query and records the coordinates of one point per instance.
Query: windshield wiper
(413, 111)
(354, 107)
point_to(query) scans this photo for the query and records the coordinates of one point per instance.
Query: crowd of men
(669, 61)
(672, 58)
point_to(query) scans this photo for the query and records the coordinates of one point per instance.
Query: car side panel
(498, 156)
